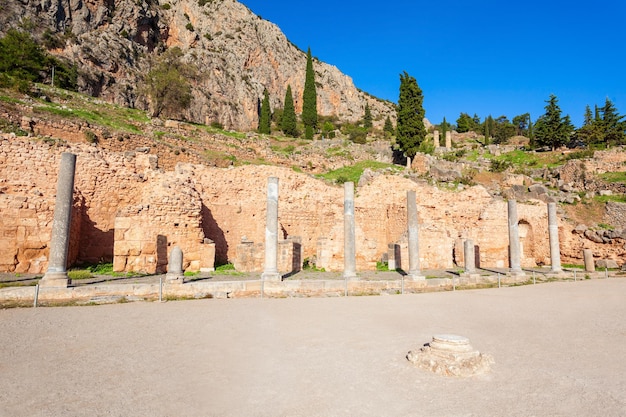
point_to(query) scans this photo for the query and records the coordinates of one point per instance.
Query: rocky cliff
(238, 54)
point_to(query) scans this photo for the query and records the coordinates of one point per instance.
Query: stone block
(119, 263)
(606, 263)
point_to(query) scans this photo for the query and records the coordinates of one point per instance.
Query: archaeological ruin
(127, 210)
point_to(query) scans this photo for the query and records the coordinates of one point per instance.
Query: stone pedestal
(270, 270)
(469, 255)
(590, 265)
(175, 274)
(451, 355)
(392, 258)
(349, 238)
(56, 275)
(414, 272)
(515, 254)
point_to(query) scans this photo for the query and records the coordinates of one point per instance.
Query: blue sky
(484, 57)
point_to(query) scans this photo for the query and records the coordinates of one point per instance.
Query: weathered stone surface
(606, 263)
(451, 355)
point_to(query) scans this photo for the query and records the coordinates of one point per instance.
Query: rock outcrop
(237, 53)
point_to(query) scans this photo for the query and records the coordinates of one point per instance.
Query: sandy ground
(559, 350)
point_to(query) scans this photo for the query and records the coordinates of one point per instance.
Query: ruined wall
(128, 209)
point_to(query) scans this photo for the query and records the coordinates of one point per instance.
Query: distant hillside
(237, 54)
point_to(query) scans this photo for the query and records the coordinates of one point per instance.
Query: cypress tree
(367, 117)
(444, 128)
(288, 121)
(265, 119)
(410, 123)
(388, 126)
(309, 99)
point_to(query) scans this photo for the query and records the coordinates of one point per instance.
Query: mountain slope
(238, 54)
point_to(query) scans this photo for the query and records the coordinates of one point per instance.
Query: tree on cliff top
(167, 85)
(309, 99)
(288, 121)
(410, 123)
(265, 118)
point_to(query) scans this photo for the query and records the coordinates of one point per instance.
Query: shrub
(91, 137)
(166, 6)
(496, 165)
(189, 27)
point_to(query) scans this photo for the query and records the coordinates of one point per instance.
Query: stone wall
(129, 209)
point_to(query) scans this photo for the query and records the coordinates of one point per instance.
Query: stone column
(349, 244)
(270, 270)
(448, 140)
(436, 138)
(590, 266)
(555, 250)
(470, 256)
(414, 254)
(514, 242)
(56, 275)
(175, 274)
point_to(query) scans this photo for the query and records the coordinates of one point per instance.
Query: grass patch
(227, 269)
(618, 198)
(614, 177)
(573, 266)
(191, 273)
(78, 274)
(354, 172)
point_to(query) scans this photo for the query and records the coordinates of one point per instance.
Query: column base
(470, 276)
(350, 276)
(271, 276)
(175, 278)
(55, 279)
(415, 276)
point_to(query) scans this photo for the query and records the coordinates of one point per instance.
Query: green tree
(489, 129)
(288, 120)
(465, 123)
(444, 127)
(388, 127)
(21, 56)
(265, 118)
(309, 99)
(410, 129)
(551, 129)
(591, 130)
(503, 130)
(521, 124)
(613, 125)
(167, 85)
(367, 117)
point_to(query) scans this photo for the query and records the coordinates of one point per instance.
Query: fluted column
(349, 239)
(413, 232)
(56, 275)
(555, 250)
(270, 271)
(514, 242)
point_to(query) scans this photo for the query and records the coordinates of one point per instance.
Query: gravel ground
(559, 350)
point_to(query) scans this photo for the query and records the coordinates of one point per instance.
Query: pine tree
(551, 129)
(410, 122)
(309, 99)
(288, 121)
(612, 124)
(388, 128)
(367, 117)
(265, 119)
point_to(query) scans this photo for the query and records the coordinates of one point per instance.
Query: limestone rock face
(238, 54)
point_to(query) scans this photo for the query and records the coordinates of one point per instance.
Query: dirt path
(559, 350)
